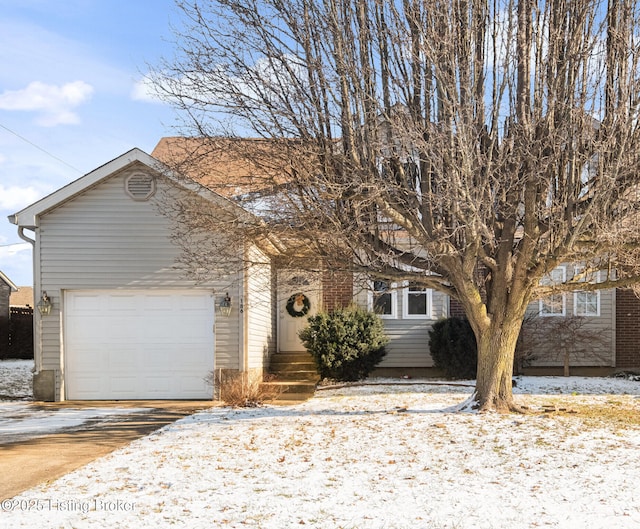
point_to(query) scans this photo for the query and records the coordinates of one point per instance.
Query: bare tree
(561, 341)
(468, 145)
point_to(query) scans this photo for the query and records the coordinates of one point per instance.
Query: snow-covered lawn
(385, 456)
(16, 379)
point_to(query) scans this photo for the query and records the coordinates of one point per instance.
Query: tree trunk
(496, 350)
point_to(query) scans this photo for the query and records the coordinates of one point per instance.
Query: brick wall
(337, 289)
(455, 309)
(627, 329)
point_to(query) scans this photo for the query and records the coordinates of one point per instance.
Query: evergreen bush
(346, 344)
(453, 348)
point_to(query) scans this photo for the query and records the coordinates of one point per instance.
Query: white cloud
(55, 103)
(14, 198)
(16, 261)
(144, 90)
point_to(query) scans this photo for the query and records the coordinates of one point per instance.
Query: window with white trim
(383, 299)
(416, 302)
(555, 304)
(586, 303)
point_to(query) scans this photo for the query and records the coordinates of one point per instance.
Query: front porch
(293, 376)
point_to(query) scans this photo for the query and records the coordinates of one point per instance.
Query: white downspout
(242, 316)
(37, 344)
(21, 234)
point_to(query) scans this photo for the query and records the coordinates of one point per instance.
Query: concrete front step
(293, 369)
(293, 365)
(288, 386)
(292, 357)
(290, 390)
(282, 367)
(294, 375)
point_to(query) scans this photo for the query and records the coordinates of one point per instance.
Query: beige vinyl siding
(602, 352)
(103, 239)
(408, 338)
(259, 308)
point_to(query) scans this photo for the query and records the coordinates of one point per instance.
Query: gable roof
(230, 166)
(8, 281)
(29, 216)
(22, 298)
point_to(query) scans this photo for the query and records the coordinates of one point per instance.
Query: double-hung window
(416, 302)
(586, 303)
(383, 299)
(555, 304)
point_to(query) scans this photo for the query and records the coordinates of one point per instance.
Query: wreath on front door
(298, 305)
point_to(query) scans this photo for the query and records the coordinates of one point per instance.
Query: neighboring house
(21, 323)
(6, 288)
(128, 322)
(22, 298)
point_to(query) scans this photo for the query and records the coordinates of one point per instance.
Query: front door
(298, 298)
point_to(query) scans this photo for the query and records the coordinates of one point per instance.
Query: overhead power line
(39, 148)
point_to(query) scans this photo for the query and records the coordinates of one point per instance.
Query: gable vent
(140, 186)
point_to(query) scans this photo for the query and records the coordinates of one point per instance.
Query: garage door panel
(89, 361)
(160, 302)
(156, 351)
(190, 387)
(124, 385)
(157, 384)
(85, 333)
(159, 357)
(121, 359)
(156, 331)
(192, 303)
(88, 383)
(84, 303)
(123, 302)
(191, 363)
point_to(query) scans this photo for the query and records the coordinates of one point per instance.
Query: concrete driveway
(42, 453)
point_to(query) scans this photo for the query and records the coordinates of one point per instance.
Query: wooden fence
(20, 333)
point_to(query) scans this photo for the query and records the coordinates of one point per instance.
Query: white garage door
(138, 344)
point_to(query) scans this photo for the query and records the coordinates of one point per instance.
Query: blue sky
(69, 85)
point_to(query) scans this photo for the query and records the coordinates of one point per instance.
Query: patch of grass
(617, 412)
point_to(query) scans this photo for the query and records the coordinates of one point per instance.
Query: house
(6, 288)
(125, 318)
(21, 323)
(124, 322)
(22, 298)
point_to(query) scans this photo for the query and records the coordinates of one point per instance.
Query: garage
(135, 344)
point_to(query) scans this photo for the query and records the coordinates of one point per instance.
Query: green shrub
(346, 344)
(453, 348)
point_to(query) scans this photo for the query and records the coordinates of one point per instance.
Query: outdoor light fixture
(44, 305)
(225, 305)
